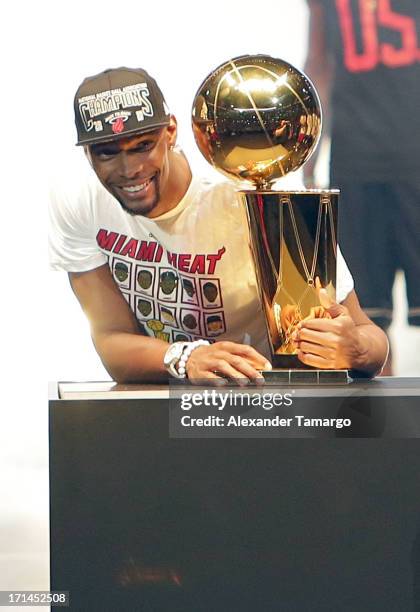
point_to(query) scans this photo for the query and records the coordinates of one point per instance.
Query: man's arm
(126, 354)
(130, 356)
(319, 68)
(348, 340)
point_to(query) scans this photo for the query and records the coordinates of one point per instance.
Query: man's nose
(130, 164)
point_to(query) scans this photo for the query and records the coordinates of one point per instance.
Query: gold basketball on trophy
(256, 118)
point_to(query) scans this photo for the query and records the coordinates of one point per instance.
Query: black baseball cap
(118, 102)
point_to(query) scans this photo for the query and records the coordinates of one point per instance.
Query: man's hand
(217, 362)
(330, 343)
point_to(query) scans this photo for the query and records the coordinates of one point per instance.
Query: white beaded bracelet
(182, 363)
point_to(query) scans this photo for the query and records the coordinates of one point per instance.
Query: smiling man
(148, 188)
(147, 216)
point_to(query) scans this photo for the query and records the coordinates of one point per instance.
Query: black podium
(144, 522)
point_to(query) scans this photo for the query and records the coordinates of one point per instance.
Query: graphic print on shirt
(157, 327)
(190, 321)
(122, 273)
(167, 314)
(210, 293)
(363, 23)
(145, 279)
(214, 324)
(179, 337)
(189, 290)
(144, 309)
(168, 285)
(175, 296)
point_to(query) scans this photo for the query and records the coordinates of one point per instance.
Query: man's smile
(133, 190)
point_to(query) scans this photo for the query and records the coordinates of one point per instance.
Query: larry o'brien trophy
(256, 118)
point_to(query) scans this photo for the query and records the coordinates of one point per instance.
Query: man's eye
(104, 153)
(144, 145)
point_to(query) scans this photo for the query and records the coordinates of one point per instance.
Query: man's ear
(88, 154)
(172, 131)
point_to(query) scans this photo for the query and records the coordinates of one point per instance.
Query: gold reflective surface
(294, 245)
(256, 118)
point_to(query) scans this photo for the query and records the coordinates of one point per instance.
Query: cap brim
(109, 138)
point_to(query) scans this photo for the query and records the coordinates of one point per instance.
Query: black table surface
(145, 522)
(391, 385)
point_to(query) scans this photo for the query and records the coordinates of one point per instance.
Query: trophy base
(284, 361)
(306, 377)
(289, 370)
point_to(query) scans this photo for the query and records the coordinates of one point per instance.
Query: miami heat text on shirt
(151, 251)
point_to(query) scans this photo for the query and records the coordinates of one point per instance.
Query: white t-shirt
(186, 274)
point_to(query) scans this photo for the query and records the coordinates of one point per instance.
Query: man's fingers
(317, 349)
(209, 377)
(248, 352)
(315, 361)
(321, 325)
(239, 376)
(330, 305)
(219, 360)
(336, 310)
(238, 369)
(324, 299)
(323, 337)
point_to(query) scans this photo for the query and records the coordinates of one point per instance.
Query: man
(364, 58)
(150, 214)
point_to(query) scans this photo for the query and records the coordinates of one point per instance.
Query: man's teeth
(136, 188)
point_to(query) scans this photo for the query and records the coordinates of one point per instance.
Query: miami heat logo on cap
(118, 125)
(117, 120)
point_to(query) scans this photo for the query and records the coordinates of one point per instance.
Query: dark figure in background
(364, 58)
